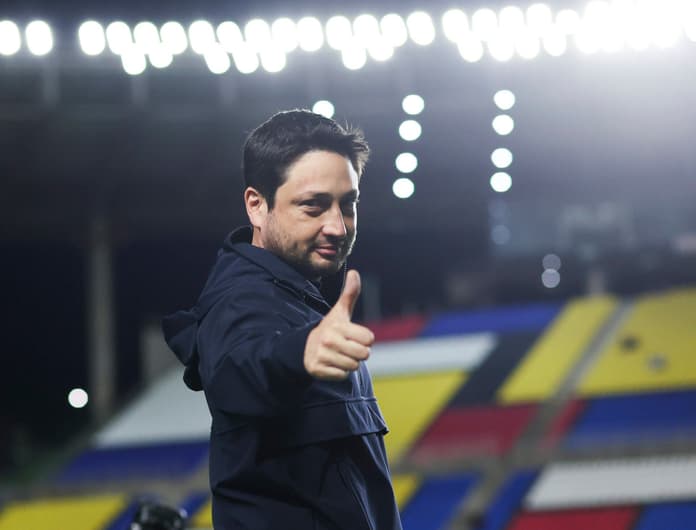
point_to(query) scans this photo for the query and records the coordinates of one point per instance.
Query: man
(296, 438)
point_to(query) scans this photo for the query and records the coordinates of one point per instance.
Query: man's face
(313, 221)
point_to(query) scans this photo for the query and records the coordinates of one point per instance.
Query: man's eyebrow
(323, 196)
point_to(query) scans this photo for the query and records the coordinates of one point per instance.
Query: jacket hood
(181, 328)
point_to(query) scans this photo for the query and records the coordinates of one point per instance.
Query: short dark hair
(275, 144)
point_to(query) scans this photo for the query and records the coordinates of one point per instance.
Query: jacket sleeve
(252, 356)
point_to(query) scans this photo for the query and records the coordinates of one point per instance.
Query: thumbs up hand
(336, 346)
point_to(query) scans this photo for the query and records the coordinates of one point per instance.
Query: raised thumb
(351, 291)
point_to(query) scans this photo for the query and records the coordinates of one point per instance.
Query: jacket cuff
(290, 349)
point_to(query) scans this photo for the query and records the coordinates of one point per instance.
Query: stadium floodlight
(353, 56)
(366, 30)
(551, 261)
(39, 37)
(455, 24)
(550, 278)
(666, 26)
(160, 56)
(511, 19)
(554, 42)
(420, 28)
(217, 59)
(527, 44)
(501, 158)
(120, 40)
(245, 58)
(310, 34)
(257, 33)
(78, 398)
(406, 162)
(133, 60)
(324, 107)
(484, 23)
(403, 188)
(173, 37)
(230, 36)
(146, 37)
(339, 32)
(410, 130)
(10, 38)
(504, 99)
(394, 29)
(413, 104)
(539, 18)
(92, 38)
(380, 50)
(503, 124)
(273, 58)
(284, 33)
(470, 48)
(501, 46)
(568, 21)
(689, 21)
(202, 37)
(501, 182)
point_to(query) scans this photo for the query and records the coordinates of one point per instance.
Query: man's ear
(256, 207)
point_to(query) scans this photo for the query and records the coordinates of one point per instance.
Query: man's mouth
(327, 251)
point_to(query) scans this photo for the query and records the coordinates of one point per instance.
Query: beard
(302, 255)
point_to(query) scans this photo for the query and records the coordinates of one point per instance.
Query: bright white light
(665, 27)
(230, 36)
(245, 58)
(504, 99)
(590, 36)
(173, 36)
(554, 42)
(380, 50)
(501, 158)
(484, 23)
(272, 59)
(503, 124)
(501, 46)
(146, 37)
(284, 33)
(133, 61)
(92, 38)
(310, 34)
(366, 29)
(413, 104)
(160, 57)
(217, 59)
(406, 162)
(470, 48)
(257, 33)
(501, 182)
(403, 187)
(539, 18)
(201, 36)
(500, 234)
(550, 278)
(410, 130)
(324, 107)
(420, 28)
(551, 261)
(39, 37)
(689, 21)
(568, 21)
(10, 38)
(455, 24)
(527, 44)
(511, 19)
(394, 29)
(120, 40)
(353, 56)
(339, 32)
(78, 398)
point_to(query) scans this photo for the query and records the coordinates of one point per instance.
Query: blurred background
(527, 241)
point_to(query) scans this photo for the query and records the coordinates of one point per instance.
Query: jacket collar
(328, 289)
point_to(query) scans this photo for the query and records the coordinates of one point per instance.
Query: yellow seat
(73, 513)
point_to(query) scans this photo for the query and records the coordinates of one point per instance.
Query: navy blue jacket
(287, 451)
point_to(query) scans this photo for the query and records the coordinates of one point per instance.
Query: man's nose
(335, 225)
